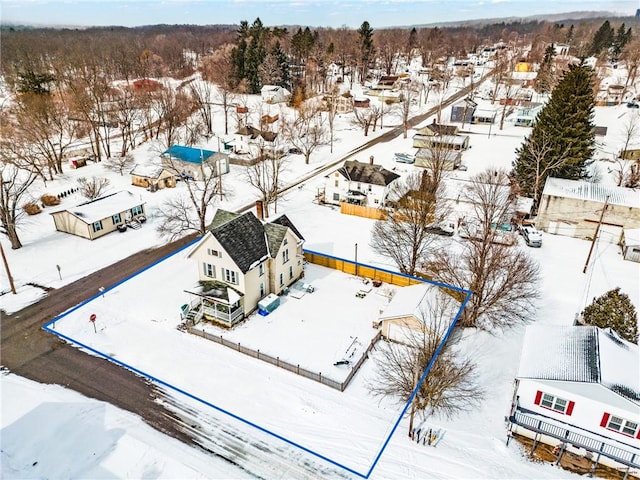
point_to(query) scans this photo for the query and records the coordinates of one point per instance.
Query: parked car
(295, 151)
(445, 228)
(633, 105)
(404, 157)
(532, 236)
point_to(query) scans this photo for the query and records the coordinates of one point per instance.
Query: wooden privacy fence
(362, 211)
(303, 372)
(359, 269)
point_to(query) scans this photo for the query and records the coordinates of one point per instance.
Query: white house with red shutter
(578, 388)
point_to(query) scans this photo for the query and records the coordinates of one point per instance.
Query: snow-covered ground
(347, 427)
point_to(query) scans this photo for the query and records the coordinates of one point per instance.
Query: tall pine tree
(561, 143)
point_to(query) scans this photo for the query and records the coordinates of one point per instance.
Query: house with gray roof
(240, 261)
(580, 385)
(359, 183)
(573, 208)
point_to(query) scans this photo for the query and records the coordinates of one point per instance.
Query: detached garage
(409, 311)
(631, 244)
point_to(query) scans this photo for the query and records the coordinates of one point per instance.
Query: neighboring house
(463, 111)
(448, 159)
(407, 314)
(194, 163)
(600, 131)
(242, 260)
(444, 142)
(614, 95)
(579, 385)
(527, 113)
(274, 94)
(485, 115)
(631, 244)
(524, 78)
(250, 141)
(361, 102)
(96, 218)
(359, 183)
(153, 177)
(434, 129)
(573, 208)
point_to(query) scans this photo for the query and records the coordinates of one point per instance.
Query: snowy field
(348, 427)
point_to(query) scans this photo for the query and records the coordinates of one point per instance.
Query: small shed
(447, 159)
(463, 110)
(361, 102)
(153, 177)
(631, 244)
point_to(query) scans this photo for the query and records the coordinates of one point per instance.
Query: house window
(618, 424)
(290, 272)
(261, 269)
(336, 183)
(230, 276)
(137, 210)
(369, 188)
(262, 290)
(285, 242)
(214, 253)
(116, 219)
(336, 197)
(285, 256)
(359, 186)
(97, 226)
(209, 270)
(281, 279)
(376, 201)
(554, 403)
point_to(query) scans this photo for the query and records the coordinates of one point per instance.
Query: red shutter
(570, 408)
(638, 435)
(605, 420)
(538, 397)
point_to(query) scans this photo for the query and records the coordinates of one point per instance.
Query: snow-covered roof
(582, 354)
(595, 192)
(103, 207)
(443, 139)
(149, 171)
(406, 302)
(632, 236)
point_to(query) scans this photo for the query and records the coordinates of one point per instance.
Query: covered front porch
(217, 302)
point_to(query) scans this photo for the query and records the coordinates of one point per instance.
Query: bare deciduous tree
(217, 69)
(449, 386)
(188, 213)
(265, 177)
(404, 236)
(627, 171)
(120, 164)
(503, 279)
(93, 187)
(366, 117)
(307, 131)
(13, 191)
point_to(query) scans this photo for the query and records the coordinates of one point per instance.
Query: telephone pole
(595, 235)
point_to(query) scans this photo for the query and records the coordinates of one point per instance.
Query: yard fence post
(238, 346)
(258, 354)
(298, 369)
(203, 333)
(277, 361)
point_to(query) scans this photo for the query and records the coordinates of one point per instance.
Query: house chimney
(259, 210)
(371, 160)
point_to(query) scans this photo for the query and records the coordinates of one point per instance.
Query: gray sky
(313, 13)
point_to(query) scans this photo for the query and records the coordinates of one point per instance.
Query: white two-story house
(578, 388)
(359, 183)
(240, 261)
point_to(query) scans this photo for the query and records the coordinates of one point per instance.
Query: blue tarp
(188, 154)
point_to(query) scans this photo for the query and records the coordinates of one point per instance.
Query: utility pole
(6, 267)
(595, 235)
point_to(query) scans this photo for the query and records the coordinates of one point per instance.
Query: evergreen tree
(365, 43)
(603, 39)
(544, 79)
(283, 65)
(613, 310)
(622, 37)
(570, 35)
(561, 142)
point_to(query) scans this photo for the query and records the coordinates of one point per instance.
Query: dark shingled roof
(440, 129)
(243, 239)
(220, 217)
(355, 171)
(285, 222)
(275, 235)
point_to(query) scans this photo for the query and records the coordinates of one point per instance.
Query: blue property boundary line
(366, 475)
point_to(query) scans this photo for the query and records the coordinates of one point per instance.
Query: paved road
(29, 351)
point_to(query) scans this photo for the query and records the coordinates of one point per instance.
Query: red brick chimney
(371, 160)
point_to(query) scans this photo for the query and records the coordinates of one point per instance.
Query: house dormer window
(285, 256)
(214, 253)
(285, 241)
